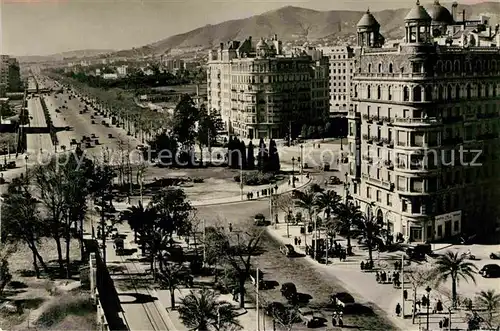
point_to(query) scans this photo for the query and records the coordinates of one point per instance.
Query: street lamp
(26, 163)
(302, 158)
(293, 172)
(428, 290)
(299, 162)
(1, 205)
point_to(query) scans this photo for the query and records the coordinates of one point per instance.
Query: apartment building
(341, 60)
(10, 77)
(261, 92)
(416, 106)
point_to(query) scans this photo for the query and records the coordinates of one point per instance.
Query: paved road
(309, 280)
(35, 111)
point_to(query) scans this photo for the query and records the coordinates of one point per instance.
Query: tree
(307, 202)
(202, 311)
(304, 131)
(250, 156)
(274, 158)
(348, 215)
(137, 216)
(184, 121)
(311, 132)
(164, 147)
(372, 232)
(22, 220)
(262, 156)
(172, 275)
(490, 300)
(328, 201)
(5, 275)
(237, 249)
(285, 203)
(209, 124)
(455, 266)
(328, 129)
(418, 278)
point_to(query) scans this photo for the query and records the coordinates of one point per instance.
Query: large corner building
(261, 92)
(415, 106)
(10, 78)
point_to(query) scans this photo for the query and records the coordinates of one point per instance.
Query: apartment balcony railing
(379, 182)
(415, 121)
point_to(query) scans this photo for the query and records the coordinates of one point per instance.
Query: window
(378, 173)
(469, 91)
(457, 91)
(390, 68)
(369, 67)
(368, 92)
(380, 67)
(379, 93)
(406, 94)
(417, 93)
(389, 199)
(369, 192)
(389, 93)
(405, 206)
(379, 196)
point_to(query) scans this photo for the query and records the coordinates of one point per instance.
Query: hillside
(292, 23)
(78, 54)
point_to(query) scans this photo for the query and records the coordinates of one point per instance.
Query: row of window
(444, 66)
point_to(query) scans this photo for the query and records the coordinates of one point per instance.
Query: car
(103, 122)
(110, 135)
(67, 128)
(81, 112)
(490, 271)
(96, 141)
(260, 220)
(287, 250)
(309, 319)
(495, 255)
(58, 111)
(93, 135)
(92, 116)
(342, 299)
(88, 145)
(93, 122)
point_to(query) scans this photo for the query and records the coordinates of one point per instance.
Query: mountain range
(292, 23)
(289, 23)
(77, 54)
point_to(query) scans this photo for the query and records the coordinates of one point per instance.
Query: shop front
(447, 225)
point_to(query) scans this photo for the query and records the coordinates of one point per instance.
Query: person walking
(296, 240)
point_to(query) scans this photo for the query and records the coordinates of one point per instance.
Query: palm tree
(306, 201)
(203, 312)
(371, 230)
(135, 216)
(455, 266)
(171, 276)
(328, 201)
(490, 300)
(348, 215)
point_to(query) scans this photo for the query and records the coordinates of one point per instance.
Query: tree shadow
(268, 285)
(138, 298)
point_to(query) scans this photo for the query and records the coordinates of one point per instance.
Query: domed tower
(418, 26)
(368, 30)
(441, 18)
(262, 48)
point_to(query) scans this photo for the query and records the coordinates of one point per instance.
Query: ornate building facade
(263, 93)
(415, 107)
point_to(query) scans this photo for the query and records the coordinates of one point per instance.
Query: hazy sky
(39, 27)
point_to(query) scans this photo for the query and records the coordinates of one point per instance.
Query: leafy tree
(250, 156)
(328, 129)
(311, 132)
(285, 203)
(320, 131)
(455, 266)
(372, 231)
(490, 300)
(243, 154)
(164, 147)
(184, 121)
(5, 275)
(236, 250)
(417, 278)
(135, 216)
(209, 124)
(203, 311)
(274, 158)
(22, 220)
(304, 131)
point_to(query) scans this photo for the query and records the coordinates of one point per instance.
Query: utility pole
(403, 284)
(316, 236)
(257, 300)
(241, 179)
(204, 244)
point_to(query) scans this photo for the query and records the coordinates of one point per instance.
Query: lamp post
(299, 162)
(293, 172)
(26, 163)
(1, 205)
(302, 160)
(428, 290)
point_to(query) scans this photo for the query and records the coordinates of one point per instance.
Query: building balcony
(379, 182)
(400, 121)
(367, 138)
(389, 164)
(367, 158)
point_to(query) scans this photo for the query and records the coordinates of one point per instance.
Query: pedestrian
(314, 145)
(296, 240)
(405, 294)
(377, 277)
(319, 145)
(289, 182)
(362, 266)
(299, 241)
(441, 324)
(235, 294)
(257, 194)
(230, 227)
(398, 309)
(344, 255)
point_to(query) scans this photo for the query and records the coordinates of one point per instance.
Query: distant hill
(292, 23)
(78, 54)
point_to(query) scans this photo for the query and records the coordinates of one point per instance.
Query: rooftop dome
(367, 21)
(418, 13)
(440, 14)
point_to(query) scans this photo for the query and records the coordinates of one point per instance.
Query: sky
(42, 27)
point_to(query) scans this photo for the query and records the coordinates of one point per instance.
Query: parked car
(490, 271)
(96, 141)
(342, 299)
(93, 122)
(93, 135)
(88, 145)
(289, 291)
(287, 250)
(334, 180)
(260, 220)
(325, 167)
(110, 135)
(495, 255)
(309, 319)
